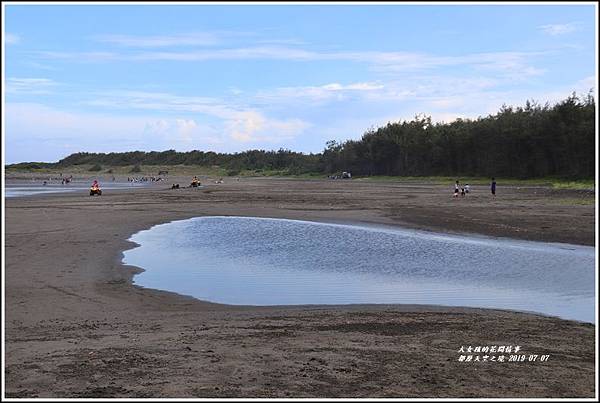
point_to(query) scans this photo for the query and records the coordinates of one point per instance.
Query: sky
(229, 78)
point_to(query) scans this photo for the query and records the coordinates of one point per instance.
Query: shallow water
(258, 261)
(22, 189)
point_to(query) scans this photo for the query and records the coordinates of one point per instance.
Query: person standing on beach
(494, 187)
(456, 189)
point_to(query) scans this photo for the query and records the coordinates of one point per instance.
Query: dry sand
(77, 327)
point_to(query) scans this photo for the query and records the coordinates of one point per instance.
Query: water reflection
(257, 261)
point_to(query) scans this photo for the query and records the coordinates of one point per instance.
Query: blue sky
(102, 78)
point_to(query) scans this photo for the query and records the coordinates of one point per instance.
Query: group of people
(144, 179)
(343, 175)
(63, 180)
(466, 188)
(463, 190)
(66, 181)
(194, 184)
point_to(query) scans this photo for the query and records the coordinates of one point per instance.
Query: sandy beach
(76, 326)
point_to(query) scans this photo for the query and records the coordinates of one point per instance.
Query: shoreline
(109, 308)
(419, 231)
(373, 227)
(422, 223)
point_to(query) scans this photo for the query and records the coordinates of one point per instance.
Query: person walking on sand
(493, 187)
(456, 189)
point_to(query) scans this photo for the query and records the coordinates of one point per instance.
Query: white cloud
(447, 102)
(352, 87)
(83, 57)
(516, 65)
(447, 117)
(160, 126)
(500, 62)
(165, 103)
(29, 85)
(42, 133)
(47, 121)
(256, 52)
(183, 122)
(245, 53)
(241, 123)
(40, 66)
(195, 38)
(587, 84)
(244, 125)
(559, 29)
(326, 92)
(438, 89)
(11, 39)
(580, 87)
(189, 39)
(282, 42)
(186, 128)
(252, 126)
(183, 132)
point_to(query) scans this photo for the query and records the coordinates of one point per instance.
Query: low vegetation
(136, 169)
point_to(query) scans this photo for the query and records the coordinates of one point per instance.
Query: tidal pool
(263, 261)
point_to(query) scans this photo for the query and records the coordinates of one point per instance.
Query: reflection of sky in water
(31, 190)
(257, 261)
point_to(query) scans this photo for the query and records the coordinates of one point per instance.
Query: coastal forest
(530, 141)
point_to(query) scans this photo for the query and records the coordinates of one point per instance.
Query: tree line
(528, 141)
(282, 160)
(524, 142)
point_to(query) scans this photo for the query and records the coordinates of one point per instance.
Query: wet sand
(77, 327)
